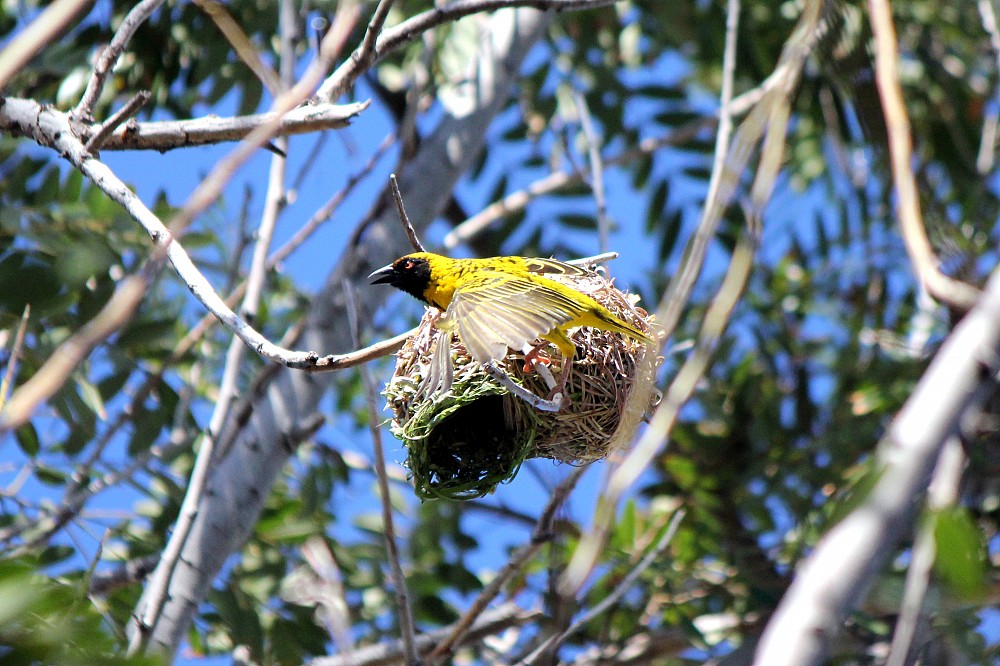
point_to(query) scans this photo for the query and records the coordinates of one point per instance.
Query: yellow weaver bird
(502, 302)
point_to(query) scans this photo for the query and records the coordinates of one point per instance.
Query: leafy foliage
(826, 345)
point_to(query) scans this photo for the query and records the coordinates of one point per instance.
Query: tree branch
(172, 134)
(393, 38)
(911, 224)
(403, 609)
(539, 536)
(491, 622)
(106, 62)
(838, 573)
(51, 128)
(23, 47)
(57, 368)
(241, 479)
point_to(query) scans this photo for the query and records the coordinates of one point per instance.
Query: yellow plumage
(503, 302)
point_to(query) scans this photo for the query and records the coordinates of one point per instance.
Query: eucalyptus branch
(106, 62)
(172, 134)
(39, 34)
(539, 536)
(132, 107)
(559, 180)
(491, 622)
(835, 577)
(51, 128)
(911, 224)
(399, 35)
(403, 608)
(596, 171)
(624, 475)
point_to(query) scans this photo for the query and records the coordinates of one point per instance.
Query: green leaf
(291, 530)
(50, 476)
(27, 439)
(146, 427)
(961, 557)
(91, 397)
(28, 277)
(657, 202)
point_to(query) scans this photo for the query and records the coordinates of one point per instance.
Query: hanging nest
(464, 442)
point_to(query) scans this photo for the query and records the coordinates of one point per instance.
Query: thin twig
(392, 546)
(39, 34)
(721, 184)
(941, 494)
(988, 142)
(517, 201)
(911, 225)
(360, 60)
(15, 354)
(596, 171)
(539, 536)
(106, 62)
(244, 47)
(837, 574)
(53, 373)
(132, 107)
(399, 35)
(638, 459)
(403, 217)
(554, 643)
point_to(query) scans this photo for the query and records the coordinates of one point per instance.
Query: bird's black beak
(384, 275)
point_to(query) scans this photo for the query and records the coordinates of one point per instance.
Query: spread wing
(494, 311)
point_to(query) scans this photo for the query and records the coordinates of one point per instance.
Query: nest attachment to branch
(462, 443)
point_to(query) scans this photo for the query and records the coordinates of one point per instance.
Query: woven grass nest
(461, 444)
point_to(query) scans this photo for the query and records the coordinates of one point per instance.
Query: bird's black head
(411, 274)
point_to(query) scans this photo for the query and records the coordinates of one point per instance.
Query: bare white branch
(171, 134)
(836, 576)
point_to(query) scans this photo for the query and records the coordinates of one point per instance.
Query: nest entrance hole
(478, 441)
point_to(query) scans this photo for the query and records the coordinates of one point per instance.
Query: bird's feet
(560, 388)
(535, 356)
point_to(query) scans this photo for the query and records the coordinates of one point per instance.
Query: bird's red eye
(408, 265)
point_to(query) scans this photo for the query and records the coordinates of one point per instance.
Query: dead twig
(392, 546)
(403, 217)
(15, 354)
(911, 225)
(132, 107)
(539, 536)
(39, 34)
